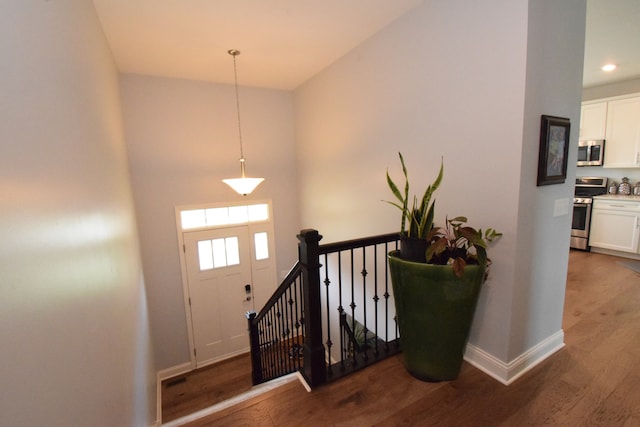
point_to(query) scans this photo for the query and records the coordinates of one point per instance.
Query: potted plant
(418, 215)
(436, 294)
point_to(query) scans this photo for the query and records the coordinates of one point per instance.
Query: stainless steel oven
(586, 188)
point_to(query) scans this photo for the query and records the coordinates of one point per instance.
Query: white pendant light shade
(242, 185)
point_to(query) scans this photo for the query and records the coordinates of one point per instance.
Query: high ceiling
(285, 42)
(612, 35)
(282, 42)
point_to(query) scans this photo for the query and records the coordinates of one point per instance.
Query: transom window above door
(221, 216)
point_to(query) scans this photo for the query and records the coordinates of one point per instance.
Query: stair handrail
(307, 268)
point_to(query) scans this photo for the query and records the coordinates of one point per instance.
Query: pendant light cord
(234, 53)
(242, 185)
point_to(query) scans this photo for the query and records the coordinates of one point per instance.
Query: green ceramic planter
(434, 309)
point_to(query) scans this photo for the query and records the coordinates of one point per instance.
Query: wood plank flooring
(185, 394)
(594, 380)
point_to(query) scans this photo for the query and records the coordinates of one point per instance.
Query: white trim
(621, 254)
(185, 289)
(304, 382)
(173, 371)
(158, 420)
(507, 373)
(254, 392)
(611, 98)
(183, 267)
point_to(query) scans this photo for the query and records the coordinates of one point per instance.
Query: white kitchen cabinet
(622, 135)
(593, 119)
(615, 225)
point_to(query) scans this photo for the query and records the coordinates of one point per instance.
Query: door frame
(183, 264)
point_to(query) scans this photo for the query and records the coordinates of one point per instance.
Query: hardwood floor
(594, 380)
(204, 387)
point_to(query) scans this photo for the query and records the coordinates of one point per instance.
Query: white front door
(218, 263)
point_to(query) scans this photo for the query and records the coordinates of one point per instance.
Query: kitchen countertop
(618, 197)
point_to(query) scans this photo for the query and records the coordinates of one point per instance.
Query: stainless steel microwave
(591, 153)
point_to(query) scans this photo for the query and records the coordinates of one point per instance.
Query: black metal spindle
(364, 304)
(352, 305)
(375, 296)
(327, 282)
(340, 309)
(279, 332)
(272, 341)
(293, 315)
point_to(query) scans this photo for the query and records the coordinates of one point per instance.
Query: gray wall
(75, 338)
(182, 138)
(466, 82)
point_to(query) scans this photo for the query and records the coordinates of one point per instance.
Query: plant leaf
(490, 235)
(433, 232)
(457, 220)
(473, 236)
(481, 254)
(458, 266)
(435, 248)
(394, 188)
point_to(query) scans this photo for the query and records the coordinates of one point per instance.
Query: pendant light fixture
(242, 185)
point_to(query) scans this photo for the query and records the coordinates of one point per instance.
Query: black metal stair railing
(333, 314)
(276, 333)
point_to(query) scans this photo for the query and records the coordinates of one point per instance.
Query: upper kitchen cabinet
(622, 133)
(593, 119)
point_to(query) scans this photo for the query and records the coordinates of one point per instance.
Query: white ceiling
(612, 35)
(282, 42)
(285, 42)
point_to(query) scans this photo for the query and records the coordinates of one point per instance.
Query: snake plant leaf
(394, 188)
(417, 217)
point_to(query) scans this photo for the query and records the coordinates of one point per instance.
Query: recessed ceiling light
(609, 67)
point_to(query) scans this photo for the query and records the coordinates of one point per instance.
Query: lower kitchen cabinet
(615, 225)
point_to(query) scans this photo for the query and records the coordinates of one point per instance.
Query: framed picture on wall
(554, 148)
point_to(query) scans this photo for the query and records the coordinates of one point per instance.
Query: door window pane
(262, 245)
(233, 251)
(218, 253)
(205, 255)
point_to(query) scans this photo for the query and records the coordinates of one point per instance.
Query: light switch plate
(561, 207)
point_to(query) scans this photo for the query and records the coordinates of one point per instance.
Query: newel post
(314, 371)
(254, 342)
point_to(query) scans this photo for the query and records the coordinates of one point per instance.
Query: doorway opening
(227, 256)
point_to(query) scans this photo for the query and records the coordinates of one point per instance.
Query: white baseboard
(255, 391)
(507, 373)
(615, 253)
(183, 368)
